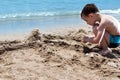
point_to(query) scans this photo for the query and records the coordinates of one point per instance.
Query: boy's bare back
(110, 24)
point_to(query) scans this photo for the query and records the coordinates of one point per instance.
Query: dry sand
(56, 56)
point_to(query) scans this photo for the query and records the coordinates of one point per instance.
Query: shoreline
(42, 23)
(45, 23)
(57, 30)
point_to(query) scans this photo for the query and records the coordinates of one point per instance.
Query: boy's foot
(105, 52)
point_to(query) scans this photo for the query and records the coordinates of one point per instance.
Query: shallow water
(23, 15)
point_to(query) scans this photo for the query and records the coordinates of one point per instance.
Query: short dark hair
(89, 8)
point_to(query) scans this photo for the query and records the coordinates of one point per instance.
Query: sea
(20, 16)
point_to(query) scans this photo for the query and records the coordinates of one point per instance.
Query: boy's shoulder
(108, 19)
(105, 21)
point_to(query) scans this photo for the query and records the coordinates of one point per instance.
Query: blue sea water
(25, 15)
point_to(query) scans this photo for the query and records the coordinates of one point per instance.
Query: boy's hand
(86, 39)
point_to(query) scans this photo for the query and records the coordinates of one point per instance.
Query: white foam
(115, 11)
(44, 14)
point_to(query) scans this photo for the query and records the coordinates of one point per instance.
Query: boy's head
(88, 12)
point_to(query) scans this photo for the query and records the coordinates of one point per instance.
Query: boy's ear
(90, 15)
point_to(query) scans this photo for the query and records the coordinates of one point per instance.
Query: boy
(106, 28)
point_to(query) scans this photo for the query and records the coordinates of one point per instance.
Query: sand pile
(56, 57)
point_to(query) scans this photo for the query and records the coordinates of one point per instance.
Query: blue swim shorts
(114, 41)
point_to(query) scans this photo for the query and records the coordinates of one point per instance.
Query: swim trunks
(114, 41)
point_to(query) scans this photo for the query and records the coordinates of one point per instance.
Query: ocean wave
(21, 16)
(115, 11)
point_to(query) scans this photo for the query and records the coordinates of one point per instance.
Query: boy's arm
(99, 33)
(99, 36)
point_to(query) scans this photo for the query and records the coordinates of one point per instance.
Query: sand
(60, 55)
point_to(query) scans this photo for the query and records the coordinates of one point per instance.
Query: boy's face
(89, 19)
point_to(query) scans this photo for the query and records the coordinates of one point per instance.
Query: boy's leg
(104, 44)
(105, 41)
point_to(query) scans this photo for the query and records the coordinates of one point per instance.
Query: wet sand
(58, 55)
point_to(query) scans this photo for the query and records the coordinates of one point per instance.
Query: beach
(42, 40)
(55, 55)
